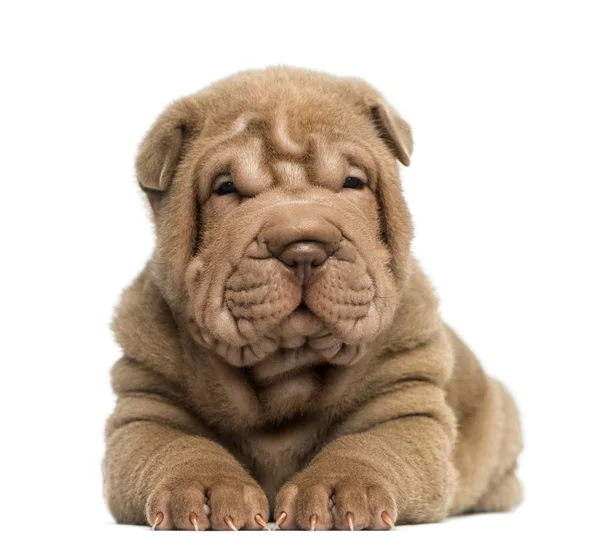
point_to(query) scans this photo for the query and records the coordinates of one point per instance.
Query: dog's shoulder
(417, 319)
(145, 326)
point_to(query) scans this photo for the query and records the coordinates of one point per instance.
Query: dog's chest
(275, 456)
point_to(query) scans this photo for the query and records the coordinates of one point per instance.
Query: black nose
(303, 257)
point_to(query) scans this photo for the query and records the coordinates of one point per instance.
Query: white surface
(515, 530)
(504, 188)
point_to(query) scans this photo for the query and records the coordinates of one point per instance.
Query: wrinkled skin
(251, 299)
(254, 310)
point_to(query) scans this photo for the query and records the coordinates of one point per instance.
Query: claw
(386, 518)
(280, 520)
(313, 522)
(229, 523)
(258, 518)
(157, 520)
(350, 519)
(194, 521)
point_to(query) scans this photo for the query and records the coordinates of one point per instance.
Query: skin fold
(283, 354)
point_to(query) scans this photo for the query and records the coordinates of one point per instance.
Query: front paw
(318, 500)
(196, 503)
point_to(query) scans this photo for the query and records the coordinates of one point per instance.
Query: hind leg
(502, 496)
(488, 445)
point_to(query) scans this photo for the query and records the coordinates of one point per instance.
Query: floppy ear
(163, 147)
(395, 219)
(394, 130)
(160, 162)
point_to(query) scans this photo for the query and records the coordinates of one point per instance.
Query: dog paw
(351, 502)
(196, 505)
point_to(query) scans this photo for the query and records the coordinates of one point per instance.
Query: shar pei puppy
(283, 354)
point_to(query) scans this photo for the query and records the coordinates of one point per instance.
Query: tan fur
(254, 386)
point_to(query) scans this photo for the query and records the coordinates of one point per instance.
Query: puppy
(283, 355)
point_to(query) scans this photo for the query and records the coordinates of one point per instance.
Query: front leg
(389, 462)
(160, 470)
(400, 472)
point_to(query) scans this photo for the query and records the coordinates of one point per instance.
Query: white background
(504, 102)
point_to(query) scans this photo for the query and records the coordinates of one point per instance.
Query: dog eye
(353, 183)
(227, 187)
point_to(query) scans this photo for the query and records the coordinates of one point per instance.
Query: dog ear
(163, 147)
(394, 130)
(395, 220)
(166, 176)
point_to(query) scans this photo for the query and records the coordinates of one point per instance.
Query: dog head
(282, 234)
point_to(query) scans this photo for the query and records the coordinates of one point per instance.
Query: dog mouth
(305, 345)
(274, 321)
(300, 342)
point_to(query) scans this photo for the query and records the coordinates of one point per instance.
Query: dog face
(282, 235)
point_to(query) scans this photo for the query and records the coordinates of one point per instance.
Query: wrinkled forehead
(278, 147)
